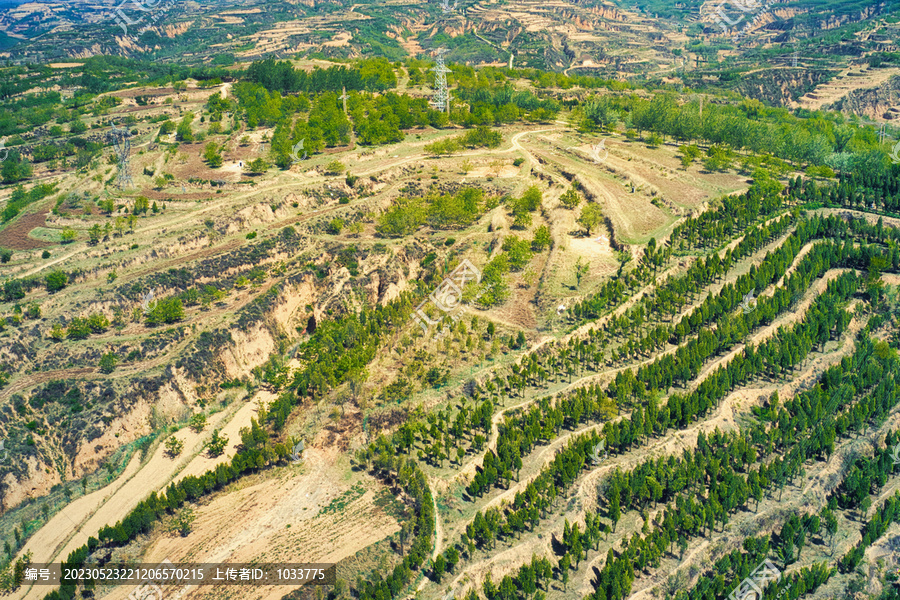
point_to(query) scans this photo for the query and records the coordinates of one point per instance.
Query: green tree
(167, 310)
(688, 155)
(440, 564)
(615, 509)
(518, 252)
(68, 235)
(590, 217)
(98, 322)
(570, 199)
(581, 269)
(95, 233)
(258, 165)
(541, 239)
(141, 205)
(185, 133)
(335, 226)
(174, 446)
(217, 443)
(167, 127)
(531, 199)
(213, 155)
(522, 220)
(57, 333)
(182, 522)
(198, 422)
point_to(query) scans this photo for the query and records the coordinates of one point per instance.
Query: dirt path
(470, 468)
(584, 492)
(64, 533)
(674, 441)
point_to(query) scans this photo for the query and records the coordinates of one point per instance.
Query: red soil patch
(15, 237)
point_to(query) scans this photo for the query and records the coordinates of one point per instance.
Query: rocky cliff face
(780, 86)
(876, 103)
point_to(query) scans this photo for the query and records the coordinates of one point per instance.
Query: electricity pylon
(121, 139)
(442, 94)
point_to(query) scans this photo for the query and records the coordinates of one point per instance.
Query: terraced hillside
(568, 339)
(803, 53)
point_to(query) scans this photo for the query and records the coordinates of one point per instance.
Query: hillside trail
(671, 443)
(823, 477)
(724, 413)
(470, 468)
(69, 530)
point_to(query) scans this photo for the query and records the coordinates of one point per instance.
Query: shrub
(174, 446)
(258, 165)
(78, 329)
(68, 235)
(98, 322)
(108, 362)
(198, 422)
(167, 310)
(217, 443)
(56, 280)
(518, 252)
(541, 238)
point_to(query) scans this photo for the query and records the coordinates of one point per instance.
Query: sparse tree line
(589, 352)
(542, 422)
(734, 214)
(737, 566)
(493, 522)
(748, 126)
(719, 481)
(405, 474)
(878, 192)
(758, 202)
(730, 328)
(670, 297)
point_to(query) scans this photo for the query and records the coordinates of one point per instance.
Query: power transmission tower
(121, 139)
(441, 95)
